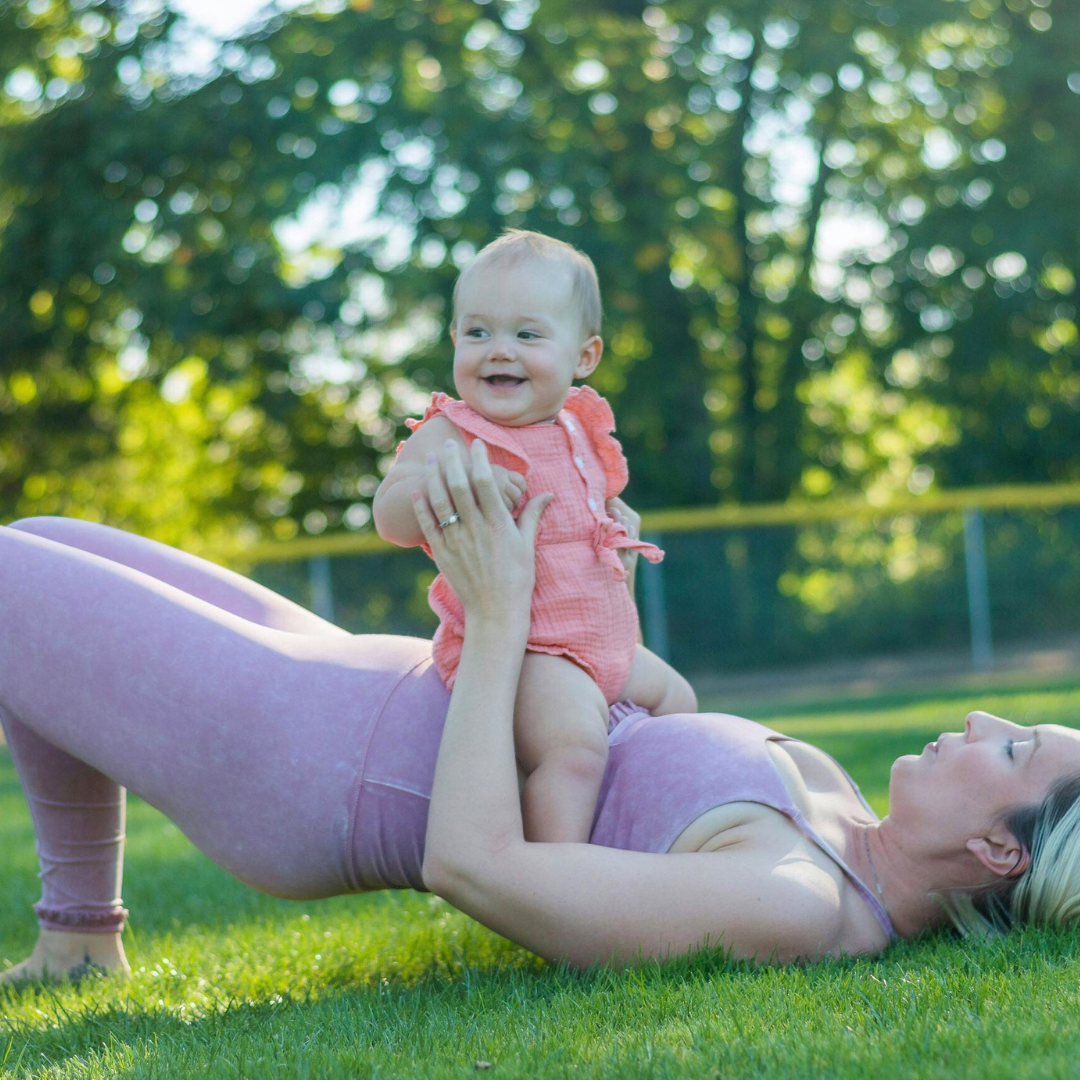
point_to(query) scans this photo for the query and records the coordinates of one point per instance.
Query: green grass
(233, 984)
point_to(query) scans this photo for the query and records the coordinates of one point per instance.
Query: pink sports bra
(665, 772)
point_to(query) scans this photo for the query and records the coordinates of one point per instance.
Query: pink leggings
(250, 722)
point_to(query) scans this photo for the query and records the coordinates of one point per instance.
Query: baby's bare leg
(560, 733)
(655, 685)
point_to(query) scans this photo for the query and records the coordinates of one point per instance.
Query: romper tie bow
(611, 538)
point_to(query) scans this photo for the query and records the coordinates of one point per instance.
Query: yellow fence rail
(732, 516)
(969, 502)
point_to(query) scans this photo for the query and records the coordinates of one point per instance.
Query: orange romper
(581, 607)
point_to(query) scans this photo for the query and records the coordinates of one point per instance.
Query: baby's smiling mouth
(503, 380)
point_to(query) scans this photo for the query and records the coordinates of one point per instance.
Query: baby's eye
(474, 331)
(528, 334)
(1009, 748)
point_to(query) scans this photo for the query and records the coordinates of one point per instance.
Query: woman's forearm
(631, 578)
(475, 809)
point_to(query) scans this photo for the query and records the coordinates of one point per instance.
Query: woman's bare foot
(62, 955)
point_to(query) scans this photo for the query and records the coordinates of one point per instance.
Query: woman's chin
(904, 763)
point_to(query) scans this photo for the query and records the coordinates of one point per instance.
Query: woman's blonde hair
(1048, 892)
(517, 245)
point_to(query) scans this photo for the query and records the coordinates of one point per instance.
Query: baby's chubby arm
(392, 510)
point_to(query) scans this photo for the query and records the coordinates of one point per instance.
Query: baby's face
(518, 343)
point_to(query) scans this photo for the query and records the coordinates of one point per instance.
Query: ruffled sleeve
(504, 448)
(598, 422)
(435, 408)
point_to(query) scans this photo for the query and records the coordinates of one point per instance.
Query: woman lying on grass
(302, 759)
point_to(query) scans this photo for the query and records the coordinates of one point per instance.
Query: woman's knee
(39, 526)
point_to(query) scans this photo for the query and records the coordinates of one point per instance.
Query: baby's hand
(511, 486)
(631, 521)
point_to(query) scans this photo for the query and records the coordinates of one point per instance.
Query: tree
(149, 223)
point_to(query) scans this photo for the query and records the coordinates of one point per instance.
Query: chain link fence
(752, 588)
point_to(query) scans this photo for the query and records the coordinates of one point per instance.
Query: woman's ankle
(61, 954)
(75, 949)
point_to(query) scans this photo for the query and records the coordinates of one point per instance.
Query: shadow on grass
(169, 885)
(898, 699)
(452, 1002)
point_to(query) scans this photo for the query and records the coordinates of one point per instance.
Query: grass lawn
(230, 983)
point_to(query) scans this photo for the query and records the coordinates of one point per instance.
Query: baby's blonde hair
(517, 245)
(1048, 892)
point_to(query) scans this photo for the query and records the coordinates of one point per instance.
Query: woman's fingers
(624, 515)
(457, 480)
(487, 493)
(529, 519)
(428, 525)
(438, 496)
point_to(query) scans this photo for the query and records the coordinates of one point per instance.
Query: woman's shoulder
(779, 892)
(762, 844)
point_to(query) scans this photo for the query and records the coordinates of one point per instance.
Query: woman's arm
(630, 520)
(488, 561)
(585, 904)
(575, 902)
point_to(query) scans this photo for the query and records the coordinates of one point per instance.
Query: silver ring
(450, 520)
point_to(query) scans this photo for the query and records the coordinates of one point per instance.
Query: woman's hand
(630, 520)
(487, 557)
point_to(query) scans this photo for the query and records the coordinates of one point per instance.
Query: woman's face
(960, 784)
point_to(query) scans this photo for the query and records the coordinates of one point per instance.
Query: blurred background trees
(838, 243)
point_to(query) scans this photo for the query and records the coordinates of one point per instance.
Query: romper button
(579, 463)
(592, 504)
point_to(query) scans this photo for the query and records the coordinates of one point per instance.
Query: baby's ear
(591, 351)
(453, 333)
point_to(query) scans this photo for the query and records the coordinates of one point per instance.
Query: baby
(526, 324)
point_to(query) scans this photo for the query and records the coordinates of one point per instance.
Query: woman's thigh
(248, 737)
(216, 585)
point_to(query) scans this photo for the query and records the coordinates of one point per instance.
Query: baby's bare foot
(64, 956)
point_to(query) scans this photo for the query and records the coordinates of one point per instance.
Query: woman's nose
(978, 723)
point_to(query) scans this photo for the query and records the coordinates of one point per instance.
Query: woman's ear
(591, 351)
(1001, 853)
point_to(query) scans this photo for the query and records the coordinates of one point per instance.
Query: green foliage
(294, 217)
